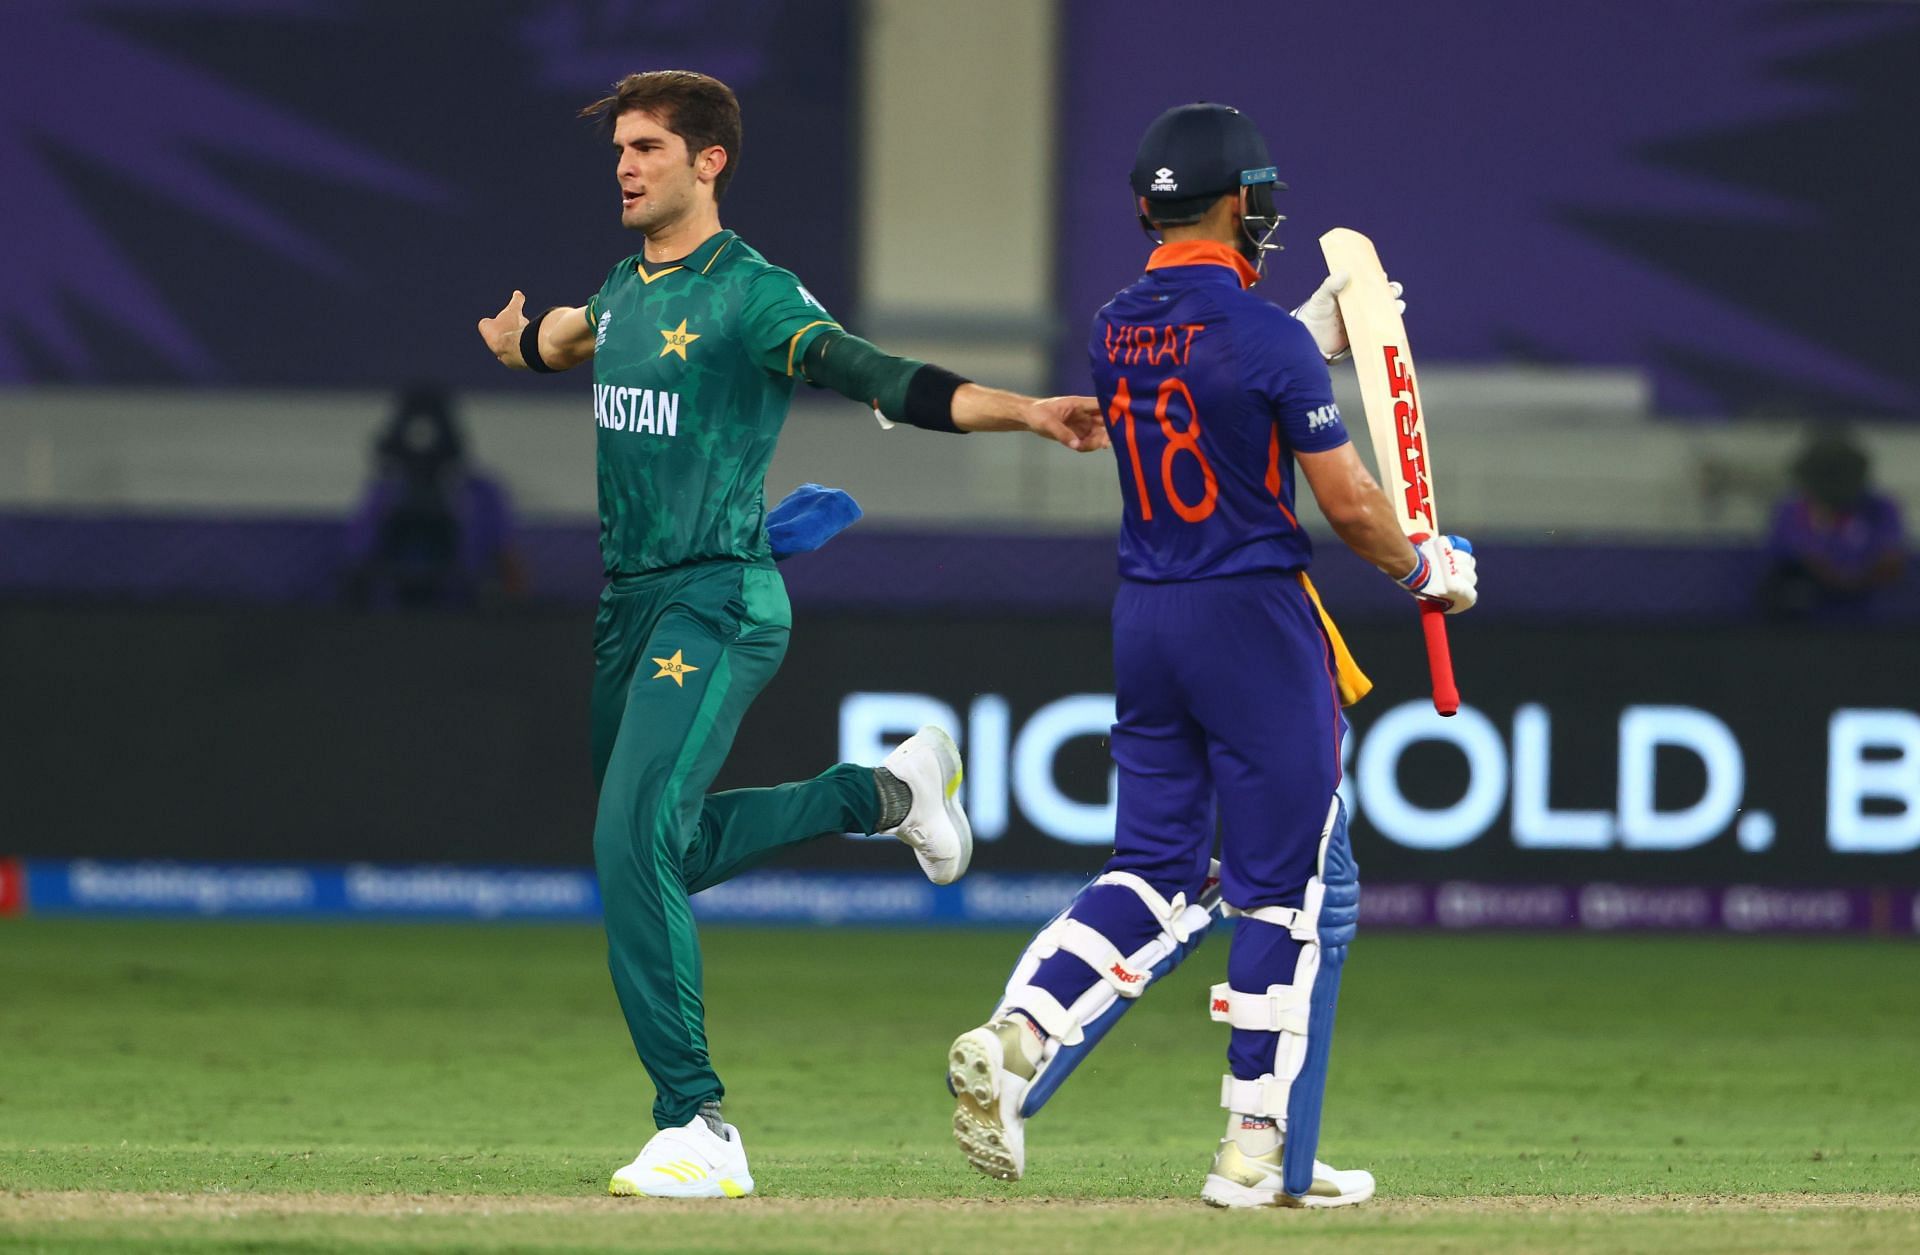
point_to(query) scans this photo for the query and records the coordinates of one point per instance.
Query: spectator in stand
(431, 530)
(1834, 541)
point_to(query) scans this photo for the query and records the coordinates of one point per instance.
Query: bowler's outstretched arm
(564, 338)
(904, 390)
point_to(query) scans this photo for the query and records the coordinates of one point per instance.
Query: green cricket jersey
(693, 369)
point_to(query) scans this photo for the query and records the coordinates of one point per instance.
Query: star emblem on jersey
(675, 669)
(677, 341)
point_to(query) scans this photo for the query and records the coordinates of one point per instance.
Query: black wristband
(930, 399)
(530, 346)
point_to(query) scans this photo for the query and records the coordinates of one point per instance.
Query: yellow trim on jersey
(716, 257)
(1348, 677)
(794, 343)
(640, 268)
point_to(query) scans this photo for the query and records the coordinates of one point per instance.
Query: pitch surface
(213, 1085)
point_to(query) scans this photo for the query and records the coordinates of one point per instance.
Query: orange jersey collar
(1204, 253)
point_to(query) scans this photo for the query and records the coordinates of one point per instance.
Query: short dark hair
(699, 108)
(1183, 212)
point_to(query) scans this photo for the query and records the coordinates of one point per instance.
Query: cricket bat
(1396, 419)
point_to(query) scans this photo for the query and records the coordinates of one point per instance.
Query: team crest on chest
(677, 340)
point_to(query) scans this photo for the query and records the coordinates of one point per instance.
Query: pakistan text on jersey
(636, 409)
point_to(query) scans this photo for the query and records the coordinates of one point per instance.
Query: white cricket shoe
(988, 1070)
(1242, 1180)
(936, 828)
(688, 1162)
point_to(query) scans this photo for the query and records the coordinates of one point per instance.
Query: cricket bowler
(697, 342)
(1229, 684)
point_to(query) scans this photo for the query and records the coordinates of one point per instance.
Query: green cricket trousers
(679, 655)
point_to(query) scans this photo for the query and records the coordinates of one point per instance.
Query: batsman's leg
(1288, 1080)
(1004, 1071)
(1287, 870)
(1146, 912)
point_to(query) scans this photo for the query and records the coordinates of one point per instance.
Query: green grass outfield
(233, 1086)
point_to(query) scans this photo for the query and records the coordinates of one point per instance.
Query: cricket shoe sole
(1332, 1187)
(936, 827)
(738, 1186)
(986, 1105)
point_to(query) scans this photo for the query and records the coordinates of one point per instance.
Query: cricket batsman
(697, 342)
(1229, 684)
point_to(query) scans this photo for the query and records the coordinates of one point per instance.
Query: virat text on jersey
(1209, 392)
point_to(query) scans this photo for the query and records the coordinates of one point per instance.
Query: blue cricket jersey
(1208, 391)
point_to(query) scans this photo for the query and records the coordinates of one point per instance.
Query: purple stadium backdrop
(1715, 190)
(301, 192)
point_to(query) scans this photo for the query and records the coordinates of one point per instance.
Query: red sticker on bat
(1406, 425)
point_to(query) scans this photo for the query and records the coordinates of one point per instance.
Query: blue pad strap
(1339, 919)
(809, 517)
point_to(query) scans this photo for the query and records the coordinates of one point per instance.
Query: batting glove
(1321, 314)
(1459, 589)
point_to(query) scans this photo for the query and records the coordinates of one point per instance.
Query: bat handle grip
(1446, 696)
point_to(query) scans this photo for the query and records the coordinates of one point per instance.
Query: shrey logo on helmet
(1220, 152)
